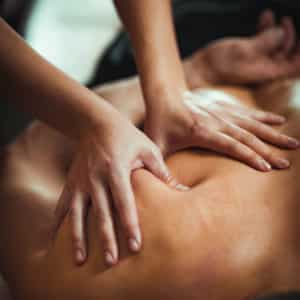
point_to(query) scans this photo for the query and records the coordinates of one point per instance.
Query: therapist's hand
(222, 126)
(100, 176)
(270, 55)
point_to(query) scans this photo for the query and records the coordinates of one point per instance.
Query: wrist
(164, 89)
(100, 117)
(164, 98)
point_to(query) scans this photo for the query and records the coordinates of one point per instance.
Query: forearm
(42, 90)
(150, 25)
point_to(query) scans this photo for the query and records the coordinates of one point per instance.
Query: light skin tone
(99, 167)
(173, 124)
(216, 241)
(49, 95)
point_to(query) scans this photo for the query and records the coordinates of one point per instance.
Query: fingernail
(293, 142)
(264, 166)
(80, 257)
(182, 187)
(283, 163)
(134, 245)
(109, 259)
(280, 119)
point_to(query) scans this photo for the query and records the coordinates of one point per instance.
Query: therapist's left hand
(227, 128)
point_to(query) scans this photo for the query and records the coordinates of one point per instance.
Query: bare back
(232, 236)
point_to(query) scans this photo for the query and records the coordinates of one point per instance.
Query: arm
(172, 121)
(246, 68)
(150, 26)
(44, 91)
(99, 167)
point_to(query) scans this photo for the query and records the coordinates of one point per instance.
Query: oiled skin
(234, 235)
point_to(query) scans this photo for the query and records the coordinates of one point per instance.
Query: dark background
(197, 23)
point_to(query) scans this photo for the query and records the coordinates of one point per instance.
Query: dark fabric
(15, 13)
(290, 296)
(198, 22)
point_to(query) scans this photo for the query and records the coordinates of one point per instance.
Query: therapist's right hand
(100, 175)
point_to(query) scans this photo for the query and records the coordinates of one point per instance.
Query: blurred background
(71, 34)
(85, 40)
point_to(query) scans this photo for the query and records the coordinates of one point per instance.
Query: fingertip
(263, 165)
(293, 143)
(282, 163)
(274, 119)
(134, 245)
(110, 259)
(80, 256)
(135, 241)
(182, 188)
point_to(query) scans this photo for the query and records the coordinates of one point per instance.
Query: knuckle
(130, 225)
(124, 209)
(105, 232)
(72, 213)
(105, 238)
(268, 154)
(129, 219)
(252, 156)
(76, 240)
(99, 215)
(108, 162)
(198, 129)
(232, 146)
(250, 139)
(115, 173)
(226, 127)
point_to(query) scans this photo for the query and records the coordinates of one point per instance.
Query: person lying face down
(233, 235)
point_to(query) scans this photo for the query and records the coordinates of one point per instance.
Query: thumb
(269, 40)
(157, 166)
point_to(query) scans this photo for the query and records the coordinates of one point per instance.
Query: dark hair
(287, 296)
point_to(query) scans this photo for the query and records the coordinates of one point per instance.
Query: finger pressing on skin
(104, 218)
(77, 217)
(156, 165)
(290, 36)
(267, 117)
(269, 41)
(123, 197)
(266, 20)
(222, 143)
(62, 208)
(269, 134)
(258, 146)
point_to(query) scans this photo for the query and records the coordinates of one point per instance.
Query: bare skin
(45, 173)
(233, 235)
